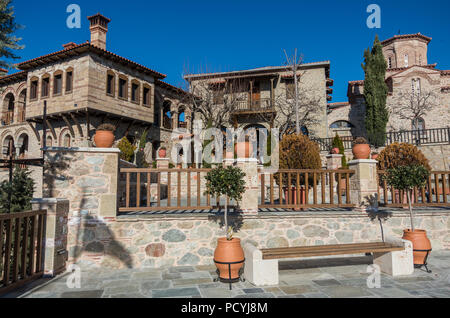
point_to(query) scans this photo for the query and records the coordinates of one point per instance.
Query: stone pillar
(87, 177)
(162, 163)
(249, 202)
(55, 233)
(334, 161)
(363, 185)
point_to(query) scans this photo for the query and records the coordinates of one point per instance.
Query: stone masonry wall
(166, 240)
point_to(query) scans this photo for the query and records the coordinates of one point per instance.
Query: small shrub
(106, 127)
(126, 149)
(338, 143)
(401, 154)
(360, 141)
(21, 189)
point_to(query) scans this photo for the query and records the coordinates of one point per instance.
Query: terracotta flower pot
(294, 195)
(375, 156)
(361, 151)
(229, 252)
(104, 139)
(243, 149)
(162, 153)
(421, 242)
(335, 151)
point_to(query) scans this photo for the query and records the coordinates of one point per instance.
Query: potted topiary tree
(104, 136)
(361, 148)
(401, 154)
(228, 182)
(297, 152)
(126, 149)
(407, 178)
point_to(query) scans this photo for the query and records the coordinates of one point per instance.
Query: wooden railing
(262, 104)
(7, 118)
(308, 189)
(435, 193)
(163, 190)
(21, 247)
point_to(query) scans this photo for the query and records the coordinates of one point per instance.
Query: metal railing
(303, 189)
(420, 137)
(436, 192)
(21, 248)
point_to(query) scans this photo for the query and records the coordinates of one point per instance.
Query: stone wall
(166, 240)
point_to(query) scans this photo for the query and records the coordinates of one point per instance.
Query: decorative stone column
(363, 185)
(249, 202)
(162, 163)
(334, 161)
(55, 233)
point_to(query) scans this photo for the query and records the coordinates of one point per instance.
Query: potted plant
(297, 152)
(406, 178)
(228, 182)
(162, 152)
(104, 136)
(126, 149)
(361, 148)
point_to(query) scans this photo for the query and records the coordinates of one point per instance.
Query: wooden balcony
(256, 106)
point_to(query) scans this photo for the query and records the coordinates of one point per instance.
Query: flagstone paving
(298, 279)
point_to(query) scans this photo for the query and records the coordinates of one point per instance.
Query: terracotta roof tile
(407, 36)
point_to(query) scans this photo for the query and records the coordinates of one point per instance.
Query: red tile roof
(81, 48)
(445, 73)
(406, 36)
(361, 82)
(445, 88)
(171, 87)
(394, 69)
(13, 77)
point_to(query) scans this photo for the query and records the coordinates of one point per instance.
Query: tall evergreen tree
(375, 94)
(8, 41)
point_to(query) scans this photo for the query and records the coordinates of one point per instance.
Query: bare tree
(213, 100)
(293, 63)
(414, 105)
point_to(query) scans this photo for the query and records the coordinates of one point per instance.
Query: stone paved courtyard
(313, 278)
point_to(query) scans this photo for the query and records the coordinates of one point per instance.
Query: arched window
(390, 62)
(8, 109)
(34, 83)
(341, 124)
(167, 119)
(415, 86)
(49, 141)
(67, 141)
(22, 105)
(182, 117)
(418, 124)
(8, 147)
(406, 60)
(23, 144)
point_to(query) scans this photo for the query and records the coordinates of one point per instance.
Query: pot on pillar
(361, 149)
(104, 136)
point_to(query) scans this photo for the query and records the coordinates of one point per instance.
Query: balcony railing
(263, 104)
(7, 118)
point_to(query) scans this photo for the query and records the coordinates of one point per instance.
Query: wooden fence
(308, 189)
(21, 247)
(163, 190)
(435, 193)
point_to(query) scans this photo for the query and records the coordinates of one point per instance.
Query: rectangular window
(110, 85)
(57, 85)
(135, 92)
(146, 100)
(45, 87)
(218, 97)
(34, 90)
(69, 81)
(290, 89)
(123, 88)
(406, 60)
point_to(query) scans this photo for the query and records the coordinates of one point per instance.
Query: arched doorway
(167, 115)
(182, 117)
(23, 146)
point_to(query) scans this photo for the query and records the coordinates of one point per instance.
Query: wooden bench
(394, 257)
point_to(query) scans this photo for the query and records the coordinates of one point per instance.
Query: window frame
(137, 93)
(34, 80)
(125, 97)
(55, 74)
(45, 79)
(146, 101)
(112, 75)
(68, 71)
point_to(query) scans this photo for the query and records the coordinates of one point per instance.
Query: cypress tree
(8, 42)
(375, 94)
(338, 143)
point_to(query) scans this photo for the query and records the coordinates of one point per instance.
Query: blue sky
(172, 36)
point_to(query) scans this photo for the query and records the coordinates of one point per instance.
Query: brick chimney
(99, 28)
(69, 46)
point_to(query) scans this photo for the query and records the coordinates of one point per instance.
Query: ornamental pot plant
(104, 136)
(361, 148)
(406, 178)
(228, 182)
(162, 152)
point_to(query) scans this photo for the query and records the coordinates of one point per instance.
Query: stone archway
(8, 109)
(22, 145)
(8, 147)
